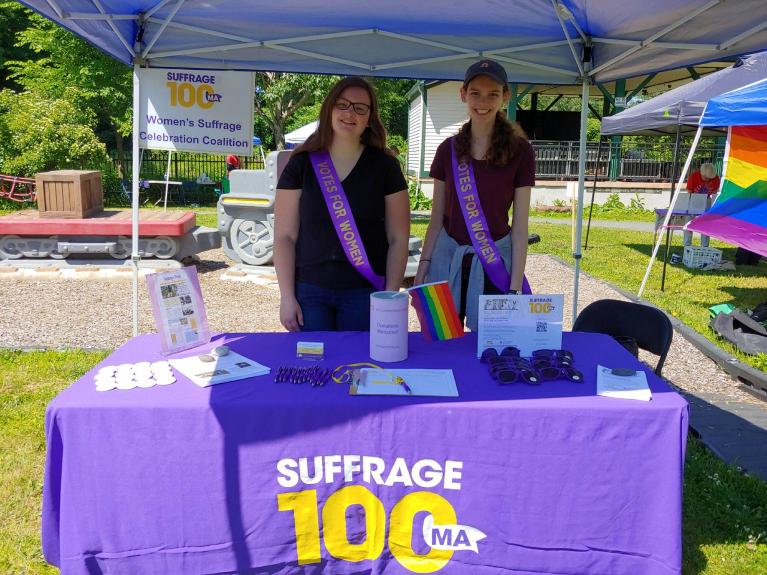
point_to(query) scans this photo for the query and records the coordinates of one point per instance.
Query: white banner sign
(196, 111)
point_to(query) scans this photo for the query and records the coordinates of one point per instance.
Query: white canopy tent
(299, 135)
(538, 41)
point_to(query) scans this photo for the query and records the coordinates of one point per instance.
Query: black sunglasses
(509, 375)
(550, 373)
(490, 353)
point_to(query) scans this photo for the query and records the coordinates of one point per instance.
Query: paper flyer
(178, 309)
(611, 383)
(528, 322)
(230, 367)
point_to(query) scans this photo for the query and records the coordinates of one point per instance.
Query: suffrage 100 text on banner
(314, 498)
(196, 111)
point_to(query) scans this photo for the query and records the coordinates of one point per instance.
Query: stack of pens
(315, 376)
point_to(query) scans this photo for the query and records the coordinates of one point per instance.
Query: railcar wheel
(253, 241)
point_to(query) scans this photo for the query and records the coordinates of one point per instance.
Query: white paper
(622, 386)
(230, 367)
(528, 322)
(422, 382)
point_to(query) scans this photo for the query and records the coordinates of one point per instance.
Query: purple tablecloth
(185, 480)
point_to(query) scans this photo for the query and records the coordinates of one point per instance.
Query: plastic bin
(697, 256)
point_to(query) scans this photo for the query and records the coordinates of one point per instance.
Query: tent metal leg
(593, 193)
(665, 260)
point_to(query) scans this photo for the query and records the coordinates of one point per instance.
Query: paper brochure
(230, 367)
(622, 386)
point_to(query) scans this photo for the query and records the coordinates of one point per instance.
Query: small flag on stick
(436, 311)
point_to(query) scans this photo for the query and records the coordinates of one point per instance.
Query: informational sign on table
(196, 111)
(178, 309)
(528, 322)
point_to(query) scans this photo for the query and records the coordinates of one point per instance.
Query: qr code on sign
(541, 326)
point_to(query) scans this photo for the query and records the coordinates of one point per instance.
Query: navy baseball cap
(489, 68)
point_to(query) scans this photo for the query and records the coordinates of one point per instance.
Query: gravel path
(95, 313)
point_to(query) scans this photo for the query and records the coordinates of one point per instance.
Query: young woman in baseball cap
(479, 174)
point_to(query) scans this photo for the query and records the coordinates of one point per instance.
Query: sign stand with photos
(178, 309)
(528, 322)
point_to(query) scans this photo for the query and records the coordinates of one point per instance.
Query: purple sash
(476, 225)
(341, 215)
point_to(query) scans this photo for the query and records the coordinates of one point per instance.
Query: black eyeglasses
(360, 108)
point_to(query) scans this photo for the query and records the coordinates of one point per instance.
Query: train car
(56, 234)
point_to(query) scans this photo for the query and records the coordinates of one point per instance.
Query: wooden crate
(69, 194)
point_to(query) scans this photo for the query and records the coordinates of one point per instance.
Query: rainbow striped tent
(739, 215)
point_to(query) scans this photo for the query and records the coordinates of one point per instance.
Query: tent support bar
(135, 258)
(55, 7)
(425, 61)
(321, 57)
(558, 12)
(162, 28)
(679, 185)
(744, 35)
(416, 40)
(114, 29)
(102, 16)
(657, 35)
(152, 11)
(531, 64)
(581, 194)
(676, 45)
(253, 43)
(528, 47)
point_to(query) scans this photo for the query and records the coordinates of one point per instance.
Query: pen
(402, 382)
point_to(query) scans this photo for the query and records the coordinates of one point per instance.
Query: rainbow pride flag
(739, 215)
(436, 311)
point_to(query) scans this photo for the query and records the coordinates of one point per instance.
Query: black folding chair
(648, 326)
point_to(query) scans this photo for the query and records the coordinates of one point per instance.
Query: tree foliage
(88, 93)
(68, 67)
(279, 95)
(13, 19)
(39, 134)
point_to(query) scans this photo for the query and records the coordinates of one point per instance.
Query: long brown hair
(375, 133)
(504, 141)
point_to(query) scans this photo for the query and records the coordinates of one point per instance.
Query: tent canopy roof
(684, 105)
(746, 106)
(539, 42)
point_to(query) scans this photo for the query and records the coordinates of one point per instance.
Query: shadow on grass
(721, 506)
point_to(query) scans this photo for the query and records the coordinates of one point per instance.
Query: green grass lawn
(725, 512)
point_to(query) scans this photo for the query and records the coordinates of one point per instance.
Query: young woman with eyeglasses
(469, 241)
(342, 217)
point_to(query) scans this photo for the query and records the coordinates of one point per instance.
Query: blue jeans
(327, 309)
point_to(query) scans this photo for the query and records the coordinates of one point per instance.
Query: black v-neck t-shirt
(320, 259)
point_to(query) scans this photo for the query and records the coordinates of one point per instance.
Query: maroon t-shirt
(496, 187)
